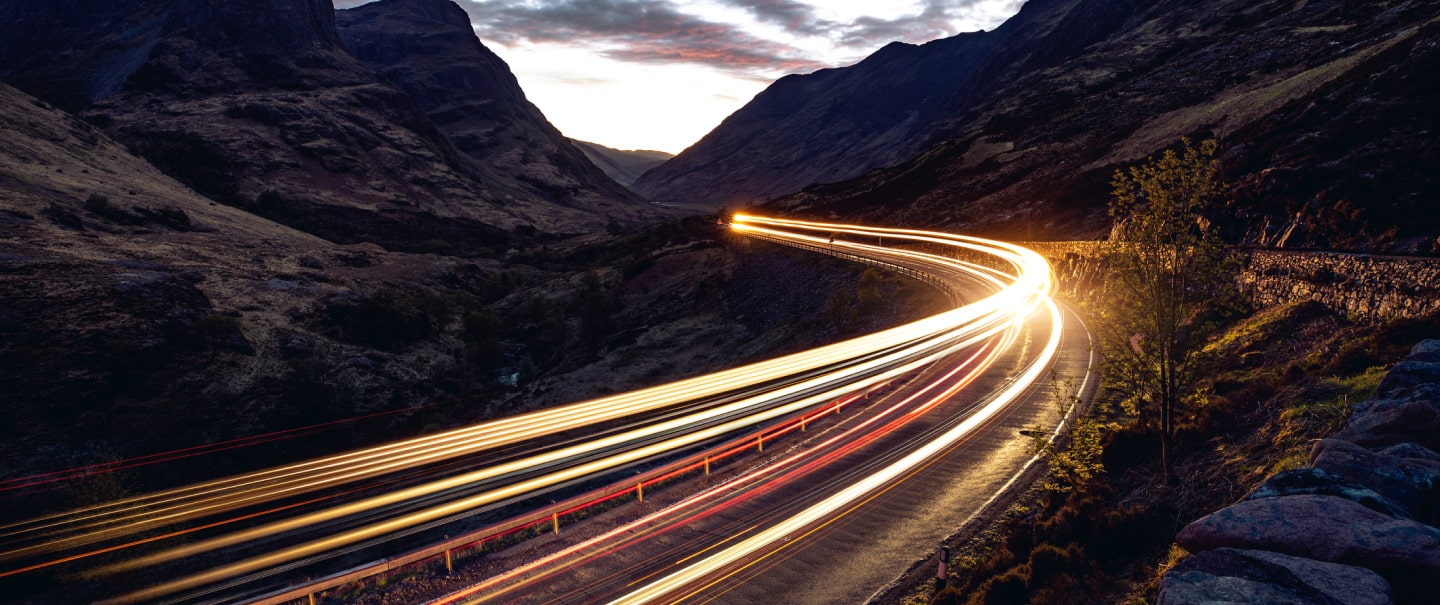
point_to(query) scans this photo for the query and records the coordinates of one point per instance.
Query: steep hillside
(258, 105)
(1325, 112)
(623, 165)
(836, 124)
(429, 49)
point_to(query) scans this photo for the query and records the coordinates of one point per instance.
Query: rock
(1406, 376)
(1412, 486)
(1229, 575)
(1314, 481)
(1385, 422)
(1326, 528)
(1426, 350)
(1411, 450)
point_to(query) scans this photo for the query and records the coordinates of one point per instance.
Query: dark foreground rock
(1325, 528)
(1229, 575)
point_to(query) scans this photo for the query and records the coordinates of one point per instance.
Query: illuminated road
(838, 517)
(967, 373)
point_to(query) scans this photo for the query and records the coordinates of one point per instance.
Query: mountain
(1325, 113)
(429, 49)
(257, 104)
(835, 124)
(623, 165)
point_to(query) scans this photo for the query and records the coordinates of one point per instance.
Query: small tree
(1169, 283)
(868, 291)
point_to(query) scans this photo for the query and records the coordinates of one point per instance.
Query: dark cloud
(796, 17)
(645, 31)
(661, 32)
(934, 21)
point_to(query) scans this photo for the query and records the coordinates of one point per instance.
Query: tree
(868, 292)
(1170, 282)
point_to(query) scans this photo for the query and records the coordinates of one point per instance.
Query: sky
(660, 74)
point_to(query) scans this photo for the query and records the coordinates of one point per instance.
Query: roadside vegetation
(1202, 399)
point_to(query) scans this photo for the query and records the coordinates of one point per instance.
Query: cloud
(641, 31)
(795, 17)
(936, 20)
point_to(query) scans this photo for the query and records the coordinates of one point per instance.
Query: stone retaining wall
(1367, 288)
(1359, 525)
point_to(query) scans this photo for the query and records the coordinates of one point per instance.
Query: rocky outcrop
(1371, 500)
(1230, 575)
(429, 49)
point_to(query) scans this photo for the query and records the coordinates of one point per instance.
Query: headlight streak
(133, 515)
(717, 562)
(724, 406)
(777, 473)
(660, 589)
(565, 474)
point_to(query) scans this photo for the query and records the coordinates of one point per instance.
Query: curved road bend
(848, 556)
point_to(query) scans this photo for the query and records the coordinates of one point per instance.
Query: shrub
(388, 319)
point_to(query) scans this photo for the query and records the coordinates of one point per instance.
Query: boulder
(1427, 350)
(1314, 481)
(1413, 485)
(1412, 451)
(1406, 376)
(1229, 575)
(1326, 528)
(1385, 422)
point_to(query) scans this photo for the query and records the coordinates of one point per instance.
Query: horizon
(658, 75)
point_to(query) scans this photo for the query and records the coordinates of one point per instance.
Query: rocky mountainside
(1324, 110)
(429, 49)
(835, 124)
(258, 105)
(623, 165)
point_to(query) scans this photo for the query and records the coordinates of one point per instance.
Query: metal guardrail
(945, 287)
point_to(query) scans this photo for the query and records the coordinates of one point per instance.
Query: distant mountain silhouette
(625, 166)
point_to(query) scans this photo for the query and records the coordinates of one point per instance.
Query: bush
(388, 319)
(1008, 588)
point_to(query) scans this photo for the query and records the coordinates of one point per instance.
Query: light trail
(778, 473)
(662, 420)
(661, 589)
(852, 496)
(138, 514)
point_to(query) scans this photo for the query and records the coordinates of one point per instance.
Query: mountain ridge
(623, 165)
(260, 106)
(838, 123)
(429, 49)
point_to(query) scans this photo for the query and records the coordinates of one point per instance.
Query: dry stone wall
(1363, 287)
